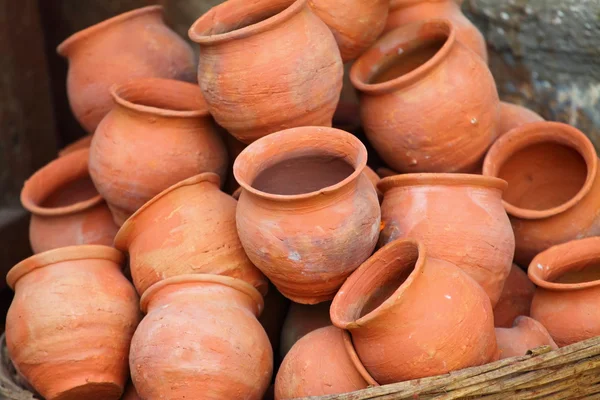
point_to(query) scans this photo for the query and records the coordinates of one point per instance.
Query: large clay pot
(70, 324)
(321, 363)
(458, 217)
(567, 297)
(136, 44)
(356, 24)
(553, 193)
(267, 66)
(300, 320)
(188, 228)
(427, 103)
(81, 143)
(307, 215)
(66, 209)
(513, 116)
(403, 12)
(526, 334)
(201, 338)
(158, 133)
(515, 299)
(412, 316)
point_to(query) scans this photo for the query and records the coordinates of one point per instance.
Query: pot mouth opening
(442, 179)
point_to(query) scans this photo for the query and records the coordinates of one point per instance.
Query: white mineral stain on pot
(294, 256)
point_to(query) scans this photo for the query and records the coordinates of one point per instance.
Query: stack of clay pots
(383, 280)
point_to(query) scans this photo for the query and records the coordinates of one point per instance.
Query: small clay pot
(81, 143)
(158, 133)
(321, 363)
(553, 193)
(273, 316)
(307, 215)
(188, 228)
(567, 297)
(421, 67)
(66, 209)
(458, 217)
(136, 44)
(403, 302)
(513, 116)
(201, 336)
(515, 299)
(267, 66)
(403, 12)
(300, 320)
(526, 334)
(70, 324)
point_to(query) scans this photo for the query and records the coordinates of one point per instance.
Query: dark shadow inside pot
(69, 193)
(587, 273)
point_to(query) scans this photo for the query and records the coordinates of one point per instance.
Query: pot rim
(121, 240)
(446, 179)
(351, 351)
(63, 48)
(62, 254)
(295, 7)
(233, 283)
(78, 158)
(533, 133)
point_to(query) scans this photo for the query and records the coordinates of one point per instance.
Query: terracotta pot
(553, 193)
(459, 218)
(158, 133)
(66, 209)
(277, 65)
(130, 393)
(515, 299)
(273, 317)
(188, 228)
(300, 320)
(513, 116)
(136, 44)
(307, 215)
(422, 67)
(321, 363)
(401, 301)
(81, 143)
(526, 334)
(403, 12)
(567, 299)
(201, 335)
(70, 324)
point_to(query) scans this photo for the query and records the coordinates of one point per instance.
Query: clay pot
(70, 324)
(201, 336)
(300, 320)
(81, 143)
(553, 193)
(158, 133)
(267, 66)
(401, 301)
(66, 209)
(422, 67)
(130, 393)
(188, 228)
(273, 316)
(567, 298)
(307, 215)
(321, 363)
(515, 299)
(459, 218)
(403, 12)
(526, 334)
(136, 44)
(513, 116)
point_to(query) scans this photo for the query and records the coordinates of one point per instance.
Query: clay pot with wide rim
(403, 12)
(267, 66)
(188, 228)
(567, 297)
(81, 143)
(515, 299)
(321, 363)
(201, 335)
(301, 319)
(459, 218)
(513, 115)
(70, 324)
(413, 316)
(66, 209)
(553, 193)
(524, 335)
(136, 44)
(307, 216)
(158, 133)
(420, 82)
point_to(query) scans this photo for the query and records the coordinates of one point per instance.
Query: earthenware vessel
(201, 335)
(513, 116)
(458, 217)
(81, 143)
(267, 66)
(526, 334)
(136, 44)
(158, 133)
(421, 67)
(515, 299)
(307, 215)
(401, 301)
(300, 320)
(553, 193)
(70, 324)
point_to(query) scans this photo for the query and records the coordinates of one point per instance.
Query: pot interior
(583, 273)
(69, 193)
(164, 94)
